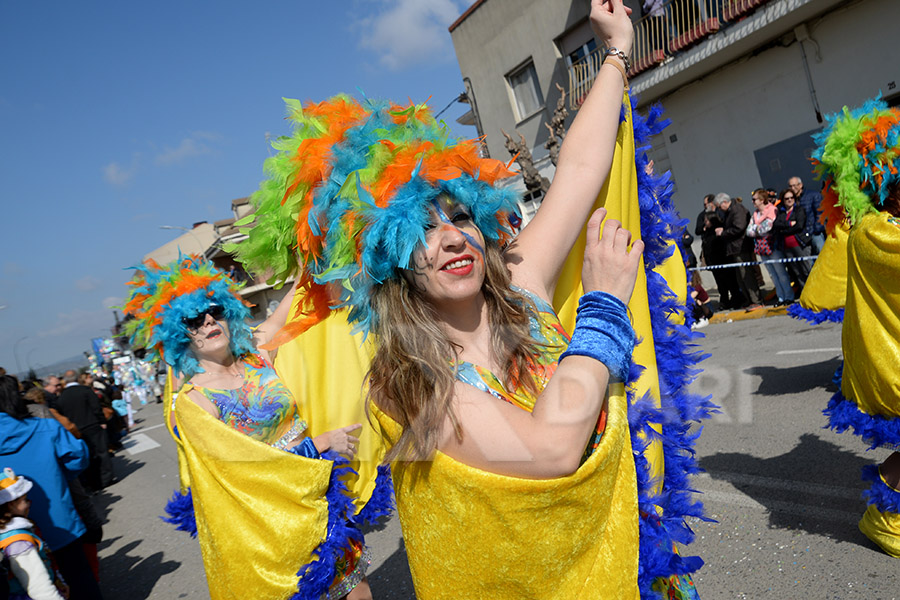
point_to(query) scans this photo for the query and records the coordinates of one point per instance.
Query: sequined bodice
(262, 408)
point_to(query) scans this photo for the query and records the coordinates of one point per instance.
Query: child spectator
(32, 573)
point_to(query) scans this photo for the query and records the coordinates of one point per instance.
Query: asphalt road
(784, 493)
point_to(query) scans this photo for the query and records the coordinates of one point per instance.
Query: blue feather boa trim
(180, 509)
(381, 503)
(880, 495)
(815, 316)
(875, 430)
(316, 576)
(663, 515)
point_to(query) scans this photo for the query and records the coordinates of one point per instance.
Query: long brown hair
(412, 377)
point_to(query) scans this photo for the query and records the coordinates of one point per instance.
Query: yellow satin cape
(871, 332)
(325, 368)
(620, 198)
(826, 285)
(260, 511)
(474, 534)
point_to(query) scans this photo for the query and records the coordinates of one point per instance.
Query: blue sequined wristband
(305, 448)
(603, 332)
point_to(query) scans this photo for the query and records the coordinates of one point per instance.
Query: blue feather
(181, 512)
(815, 316)
(663, 515)
(880, 495)
(875, 430)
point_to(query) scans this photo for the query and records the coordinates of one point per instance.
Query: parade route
(783, 491)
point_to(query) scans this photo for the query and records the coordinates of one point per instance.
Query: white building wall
(720, 120)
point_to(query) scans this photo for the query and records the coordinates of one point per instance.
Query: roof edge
(465, 15)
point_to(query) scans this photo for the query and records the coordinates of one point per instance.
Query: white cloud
(89, 323)
(110, 302)
(87, 283)
(116, 174)
(193, 145)
(409, 32)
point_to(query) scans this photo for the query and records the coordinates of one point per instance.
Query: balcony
(673, 36)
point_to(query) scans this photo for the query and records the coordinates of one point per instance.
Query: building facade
(744, 82)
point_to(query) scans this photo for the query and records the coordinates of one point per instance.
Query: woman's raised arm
(538, 254)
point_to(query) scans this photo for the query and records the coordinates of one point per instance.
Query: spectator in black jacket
(712, 250)
(790, 235)
(80, 405)
(738, 249)
(809, 201)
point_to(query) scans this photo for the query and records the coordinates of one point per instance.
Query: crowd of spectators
(779, 226)
(55, 434)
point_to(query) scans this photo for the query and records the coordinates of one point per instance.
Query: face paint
(442, 215)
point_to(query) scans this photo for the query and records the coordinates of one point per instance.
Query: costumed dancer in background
(265, 500)
(858, 155)
(407, 230)
(825, 292)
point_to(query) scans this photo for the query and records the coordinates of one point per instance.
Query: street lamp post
(200, 248)
(16, 352)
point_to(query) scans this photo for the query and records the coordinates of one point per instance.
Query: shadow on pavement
(124, 575)
(778, 381)
(812, 461)
(392, 580)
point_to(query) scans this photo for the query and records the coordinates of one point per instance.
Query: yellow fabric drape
(550, 539)
(826, 286)
(620, 198)
(325, 369)
(870, 336)
(260, 511)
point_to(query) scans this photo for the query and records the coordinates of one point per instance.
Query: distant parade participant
(265, 499)
(859, 158)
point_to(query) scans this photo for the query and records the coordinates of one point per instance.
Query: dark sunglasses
(216, 311)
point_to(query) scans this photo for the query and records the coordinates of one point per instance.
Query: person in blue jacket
(44, 452)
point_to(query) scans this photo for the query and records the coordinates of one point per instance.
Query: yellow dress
(263, 515)
(869, 399)
(825, 292)
(478, 535)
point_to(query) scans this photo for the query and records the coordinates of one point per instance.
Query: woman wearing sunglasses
(264, 498)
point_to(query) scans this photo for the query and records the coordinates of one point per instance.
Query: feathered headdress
(348, 200)
(858, 156)
(161, 297)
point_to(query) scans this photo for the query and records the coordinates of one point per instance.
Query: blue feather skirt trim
(815, 316)
(662, 571)
(880, 495)
(876, 430)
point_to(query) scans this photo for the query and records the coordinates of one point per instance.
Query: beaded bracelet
(603, 332)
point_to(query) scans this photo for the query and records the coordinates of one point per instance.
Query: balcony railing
(679, 25)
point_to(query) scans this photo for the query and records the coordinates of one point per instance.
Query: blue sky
(119, 117)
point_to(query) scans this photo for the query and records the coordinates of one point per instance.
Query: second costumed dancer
(266, 501)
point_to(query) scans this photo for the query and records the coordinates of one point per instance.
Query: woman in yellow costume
(513, 468)
(264, 498)
(859, 158)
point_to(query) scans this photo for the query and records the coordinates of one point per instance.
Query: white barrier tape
(747, 264)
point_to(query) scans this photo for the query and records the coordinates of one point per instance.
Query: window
(523, 83)
(581, 52)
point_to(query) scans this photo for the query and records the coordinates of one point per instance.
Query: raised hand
(608, 264)
(340, 440)
(612, 25)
